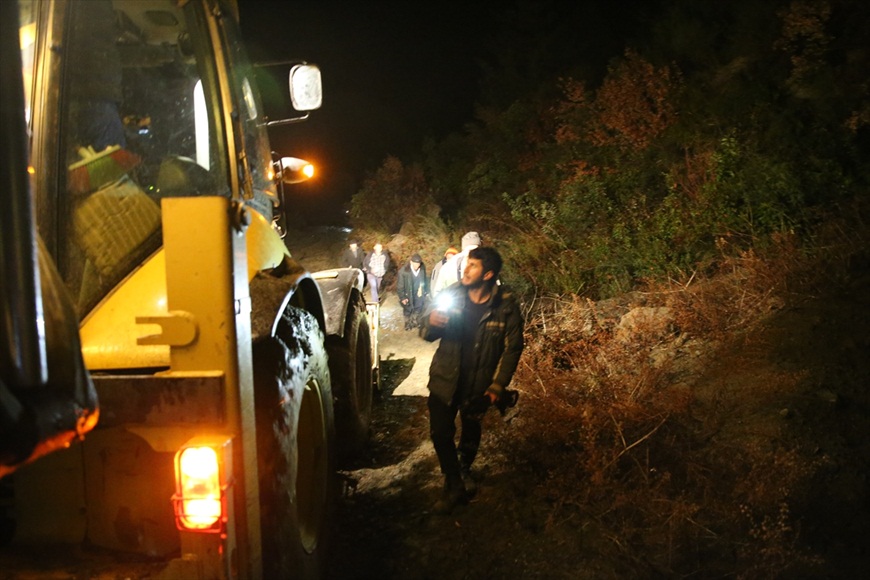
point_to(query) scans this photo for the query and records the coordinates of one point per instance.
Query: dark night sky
(394, 73)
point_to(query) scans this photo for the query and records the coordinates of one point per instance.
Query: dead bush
(622, 431)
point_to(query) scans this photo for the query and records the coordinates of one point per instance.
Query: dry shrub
(612, 427)
(616, 432)
(774, 481)
(425, 234)
(742, 290)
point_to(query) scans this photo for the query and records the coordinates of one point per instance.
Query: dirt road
(407, 356)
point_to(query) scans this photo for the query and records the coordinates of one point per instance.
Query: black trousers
(442, 430)
(412, 313)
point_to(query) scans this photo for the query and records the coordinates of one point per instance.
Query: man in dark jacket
(481, 330)
(413, 290)
(353, 255)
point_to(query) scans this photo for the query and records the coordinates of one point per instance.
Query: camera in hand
(508, 399)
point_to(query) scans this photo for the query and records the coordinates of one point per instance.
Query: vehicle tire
(295, 447)
(350, 365)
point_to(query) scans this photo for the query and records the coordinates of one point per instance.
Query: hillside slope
(737, 446)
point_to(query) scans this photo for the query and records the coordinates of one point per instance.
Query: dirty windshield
(137, 125)
(137, 128)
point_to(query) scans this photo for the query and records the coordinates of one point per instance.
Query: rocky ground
(385, 527)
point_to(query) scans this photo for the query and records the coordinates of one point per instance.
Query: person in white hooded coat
(451, 271)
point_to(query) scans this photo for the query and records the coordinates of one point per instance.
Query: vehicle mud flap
(295, 447)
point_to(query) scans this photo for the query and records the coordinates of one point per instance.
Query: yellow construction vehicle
(175, 389)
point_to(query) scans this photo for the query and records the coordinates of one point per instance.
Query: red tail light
(200, 499)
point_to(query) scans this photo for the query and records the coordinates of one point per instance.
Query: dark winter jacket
(408, 285)
(349, 259)
(499, 344)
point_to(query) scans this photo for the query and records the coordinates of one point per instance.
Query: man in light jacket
(376, 264)
(452, 270)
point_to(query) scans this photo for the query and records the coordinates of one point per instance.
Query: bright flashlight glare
(443, 302)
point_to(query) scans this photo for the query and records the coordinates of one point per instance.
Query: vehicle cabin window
(136, 128)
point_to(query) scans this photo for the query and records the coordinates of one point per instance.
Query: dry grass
(655, 418)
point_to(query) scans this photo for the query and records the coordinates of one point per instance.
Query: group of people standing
(375, 264)
(414, 288)
(412, 285)
(480, 328)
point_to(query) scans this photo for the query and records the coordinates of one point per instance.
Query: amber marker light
(198, 500)
(295, 170)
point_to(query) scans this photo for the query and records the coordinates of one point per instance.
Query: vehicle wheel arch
(271, 296)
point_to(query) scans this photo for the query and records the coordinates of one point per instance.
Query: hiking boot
(469, 481)
(454, 494)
